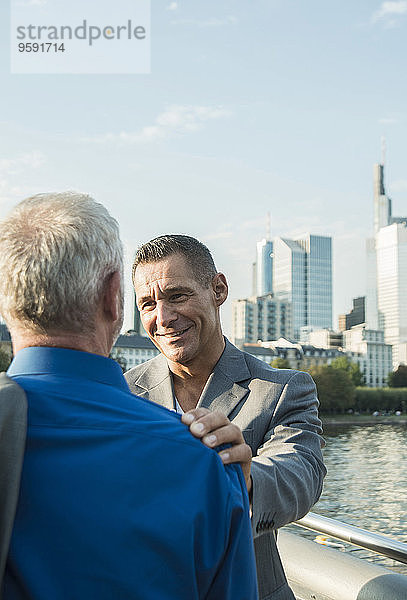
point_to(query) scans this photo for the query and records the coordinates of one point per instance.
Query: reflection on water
(366, 484)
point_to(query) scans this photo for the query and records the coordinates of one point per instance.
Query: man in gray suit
(268, 416)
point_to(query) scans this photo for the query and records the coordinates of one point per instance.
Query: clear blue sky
(270, 105)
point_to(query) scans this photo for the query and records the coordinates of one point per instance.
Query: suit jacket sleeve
(288, 470)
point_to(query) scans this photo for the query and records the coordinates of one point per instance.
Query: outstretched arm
(288, 470)
(285, 476)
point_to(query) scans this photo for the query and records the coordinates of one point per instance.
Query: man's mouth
(172, 334)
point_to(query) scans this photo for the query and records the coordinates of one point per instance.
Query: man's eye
(178, 297)
(147, 305)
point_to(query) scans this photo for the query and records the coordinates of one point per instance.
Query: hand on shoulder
(213, 428)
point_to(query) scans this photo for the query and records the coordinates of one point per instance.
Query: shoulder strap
(13, 430)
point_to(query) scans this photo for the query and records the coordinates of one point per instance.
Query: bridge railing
(317, 572)
(356, 536)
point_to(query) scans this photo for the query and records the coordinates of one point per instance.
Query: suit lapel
(226, 387)
(162, 393)
(156, 383)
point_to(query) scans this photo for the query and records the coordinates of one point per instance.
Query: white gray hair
(57, 251)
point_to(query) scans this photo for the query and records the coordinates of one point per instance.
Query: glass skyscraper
(302, 274)
(264, 267)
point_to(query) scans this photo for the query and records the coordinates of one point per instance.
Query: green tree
(5, 360)
(280, 363)
(382, 399)
(398, 378)
(344, 363)
(336, 390)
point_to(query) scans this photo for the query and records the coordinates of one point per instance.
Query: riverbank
(335, 420)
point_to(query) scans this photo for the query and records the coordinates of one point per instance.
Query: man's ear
(220, 288)
(112, 297)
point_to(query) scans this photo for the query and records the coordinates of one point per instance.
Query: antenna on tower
(268, 226)
(383, 147)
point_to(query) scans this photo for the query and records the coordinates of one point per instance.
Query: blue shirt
(118, 500)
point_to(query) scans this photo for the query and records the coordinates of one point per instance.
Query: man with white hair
(105, 509)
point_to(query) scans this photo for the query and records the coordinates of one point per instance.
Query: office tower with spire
(382, 202)
(386, 308)
(381, 218)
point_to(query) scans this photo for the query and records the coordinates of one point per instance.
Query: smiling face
(180, 315)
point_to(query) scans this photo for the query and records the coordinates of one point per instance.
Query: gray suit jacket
(277, 410)
(13, 428)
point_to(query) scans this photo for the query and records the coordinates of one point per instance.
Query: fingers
(240, 453)
(228, 434)
(214, 429)
(202, 420)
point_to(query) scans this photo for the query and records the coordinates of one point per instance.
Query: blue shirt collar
(70, 363)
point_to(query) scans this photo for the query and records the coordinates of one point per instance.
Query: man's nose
(165, 314)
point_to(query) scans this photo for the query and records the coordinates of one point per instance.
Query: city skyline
(249, 109)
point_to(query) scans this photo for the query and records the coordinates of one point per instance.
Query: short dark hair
(196, 254)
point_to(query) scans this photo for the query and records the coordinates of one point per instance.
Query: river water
(366, 484)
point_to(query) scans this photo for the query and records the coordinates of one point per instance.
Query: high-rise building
(302, 274)
(386, 308)
(382, 203)
(260, 318)
(262, 275)
(290, 279)
(382, 217)
(371, 285)
(374, 355)
(356, 316)
(254, 279)
(391, 252)
(264, 267)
